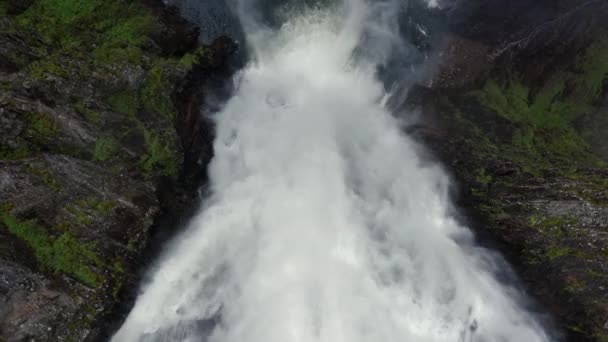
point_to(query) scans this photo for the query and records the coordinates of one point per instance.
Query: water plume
(323, 223)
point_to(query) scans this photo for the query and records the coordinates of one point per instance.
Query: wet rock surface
(95, 151)
(516, 111)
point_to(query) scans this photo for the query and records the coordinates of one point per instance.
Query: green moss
(64, 254)
(133, 243)
(593, 69)
(123, 40)
(62, 12)
(118, 272)
(104, 207)
(42, 125)
(160, 157)
(555, 225)
(80, 215)
(125, 102)
(130, 31)
(483, 178)
(116, 169)
(556, 252)
(76, 24)
(189, 60)
(104, 38)
(68, 253)
(9, 153)
(156, 94)
(89, 114)
(47, 178)
(126, 55)
(49, 66)
(93, 37)
(544, 118)
(544, 121)
(154, 99)
(515, 102)
(105, 149)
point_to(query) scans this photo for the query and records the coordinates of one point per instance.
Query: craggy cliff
(518, 112)
(100, 139)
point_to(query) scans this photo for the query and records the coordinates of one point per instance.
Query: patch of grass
(118, 271)
(64, 254)
(189, 60)
(544, 119)
(42, 125)
(101, 25)
(556, 252)
(125, 101)
(52, 65)
(156, 94)
(105, 39)
(160, 156)
(123, 40)
(105, 149)
(483, 177)
(88, 37)
(128, 55)
(593, 68)
(130, 30)
(102, 206)
(132, 244)
(67, 255)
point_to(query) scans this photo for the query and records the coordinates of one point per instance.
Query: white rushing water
(323, 223)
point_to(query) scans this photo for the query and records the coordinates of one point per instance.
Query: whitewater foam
(323, 223)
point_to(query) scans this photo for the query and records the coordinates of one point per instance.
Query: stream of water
(323, 223)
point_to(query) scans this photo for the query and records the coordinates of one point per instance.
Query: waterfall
(323, 223)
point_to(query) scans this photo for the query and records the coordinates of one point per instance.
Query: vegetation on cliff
(87, 132)
(526, 146)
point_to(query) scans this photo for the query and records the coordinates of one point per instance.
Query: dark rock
(178, 35)
(545, 207)
(15, 51)
(16, 7)
(92, 151)
(109, 214)
(214, 17)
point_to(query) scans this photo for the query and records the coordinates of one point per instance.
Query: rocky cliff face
(100, 137)
(518, 112)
